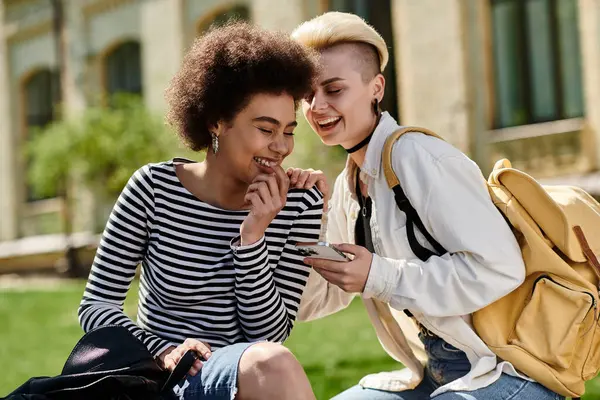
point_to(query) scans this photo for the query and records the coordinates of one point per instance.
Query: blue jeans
(506, 388)
(447, 363)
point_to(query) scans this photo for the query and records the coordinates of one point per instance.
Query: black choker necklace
(360, 145)
(366, 140)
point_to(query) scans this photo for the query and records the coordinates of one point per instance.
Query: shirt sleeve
(484, 261)
(320, 297)
(268, 291)
(122, 247)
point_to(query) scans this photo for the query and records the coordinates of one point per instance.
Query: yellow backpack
(549, 327)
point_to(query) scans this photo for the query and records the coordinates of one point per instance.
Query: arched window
(379, 15)
(41, 91)
(123, 69)
(237, 12)
(41, 94)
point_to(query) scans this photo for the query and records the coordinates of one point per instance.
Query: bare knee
(270, 368)
(268, 360)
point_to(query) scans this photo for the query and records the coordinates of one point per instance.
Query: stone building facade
(497, 78)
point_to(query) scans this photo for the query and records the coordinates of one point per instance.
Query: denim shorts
(217, 379)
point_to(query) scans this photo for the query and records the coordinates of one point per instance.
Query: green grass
(39, 328)
(339, 350)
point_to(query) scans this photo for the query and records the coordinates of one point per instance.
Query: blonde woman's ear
(378, 87)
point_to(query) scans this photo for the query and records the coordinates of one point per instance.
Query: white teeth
(263, 162)
(328, 121)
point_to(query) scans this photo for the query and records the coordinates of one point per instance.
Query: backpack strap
(412, 218)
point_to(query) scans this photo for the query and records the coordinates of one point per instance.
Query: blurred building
(497, 78)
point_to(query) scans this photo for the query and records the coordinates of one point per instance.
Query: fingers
(254, 203)
(284, 183)
(175, 356)
(294, 174)
(350, 249)
(169, 363)
(324, 188)
(265, 194)
(196, 367)
(311, 181)
(260, 198)
(302, 179)
(278, 184)
(202, 349)
(328, 265)
(261, 204)
(306, 179)
(269, 180)
(331, 277)
(314, 178)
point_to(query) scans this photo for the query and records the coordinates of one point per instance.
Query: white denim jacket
(483, 262)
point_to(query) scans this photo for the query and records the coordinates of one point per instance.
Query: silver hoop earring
(215, 143)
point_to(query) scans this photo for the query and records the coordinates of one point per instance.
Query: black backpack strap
(412, 218)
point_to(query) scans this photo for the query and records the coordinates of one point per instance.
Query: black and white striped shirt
(195, 282)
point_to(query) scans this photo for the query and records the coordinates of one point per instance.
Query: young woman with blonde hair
(435, 339)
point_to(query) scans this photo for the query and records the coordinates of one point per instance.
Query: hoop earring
(215, 143)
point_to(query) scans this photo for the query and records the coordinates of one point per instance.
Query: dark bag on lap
(107, 363)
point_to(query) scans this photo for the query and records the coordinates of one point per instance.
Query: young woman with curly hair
(219, 273)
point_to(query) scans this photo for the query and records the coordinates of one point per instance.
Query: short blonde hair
(334, 27)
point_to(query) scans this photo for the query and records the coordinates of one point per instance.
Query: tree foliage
(102, 147)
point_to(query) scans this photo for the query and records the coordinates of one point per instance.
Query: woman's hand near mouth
(307, 178)
(265, 197)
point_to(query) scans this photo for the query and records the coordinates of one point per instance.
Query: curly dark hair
(223, 70)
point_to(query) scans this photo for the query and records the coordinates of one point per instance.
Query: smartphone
(321, 250)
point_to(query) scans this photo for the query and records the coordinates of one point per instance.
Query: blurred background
(82, 106)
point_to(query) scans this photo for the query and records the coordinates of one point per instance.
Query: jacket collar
(372, 164)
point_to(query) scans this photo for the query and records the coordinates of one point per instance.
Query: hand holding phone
(351, 276)
(321, 250)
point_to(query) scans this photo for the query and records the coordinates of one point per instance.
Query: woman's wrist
(247, 239)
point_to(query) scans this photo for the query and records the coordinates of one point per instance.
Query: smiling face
(340, 109)
(259, 137)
